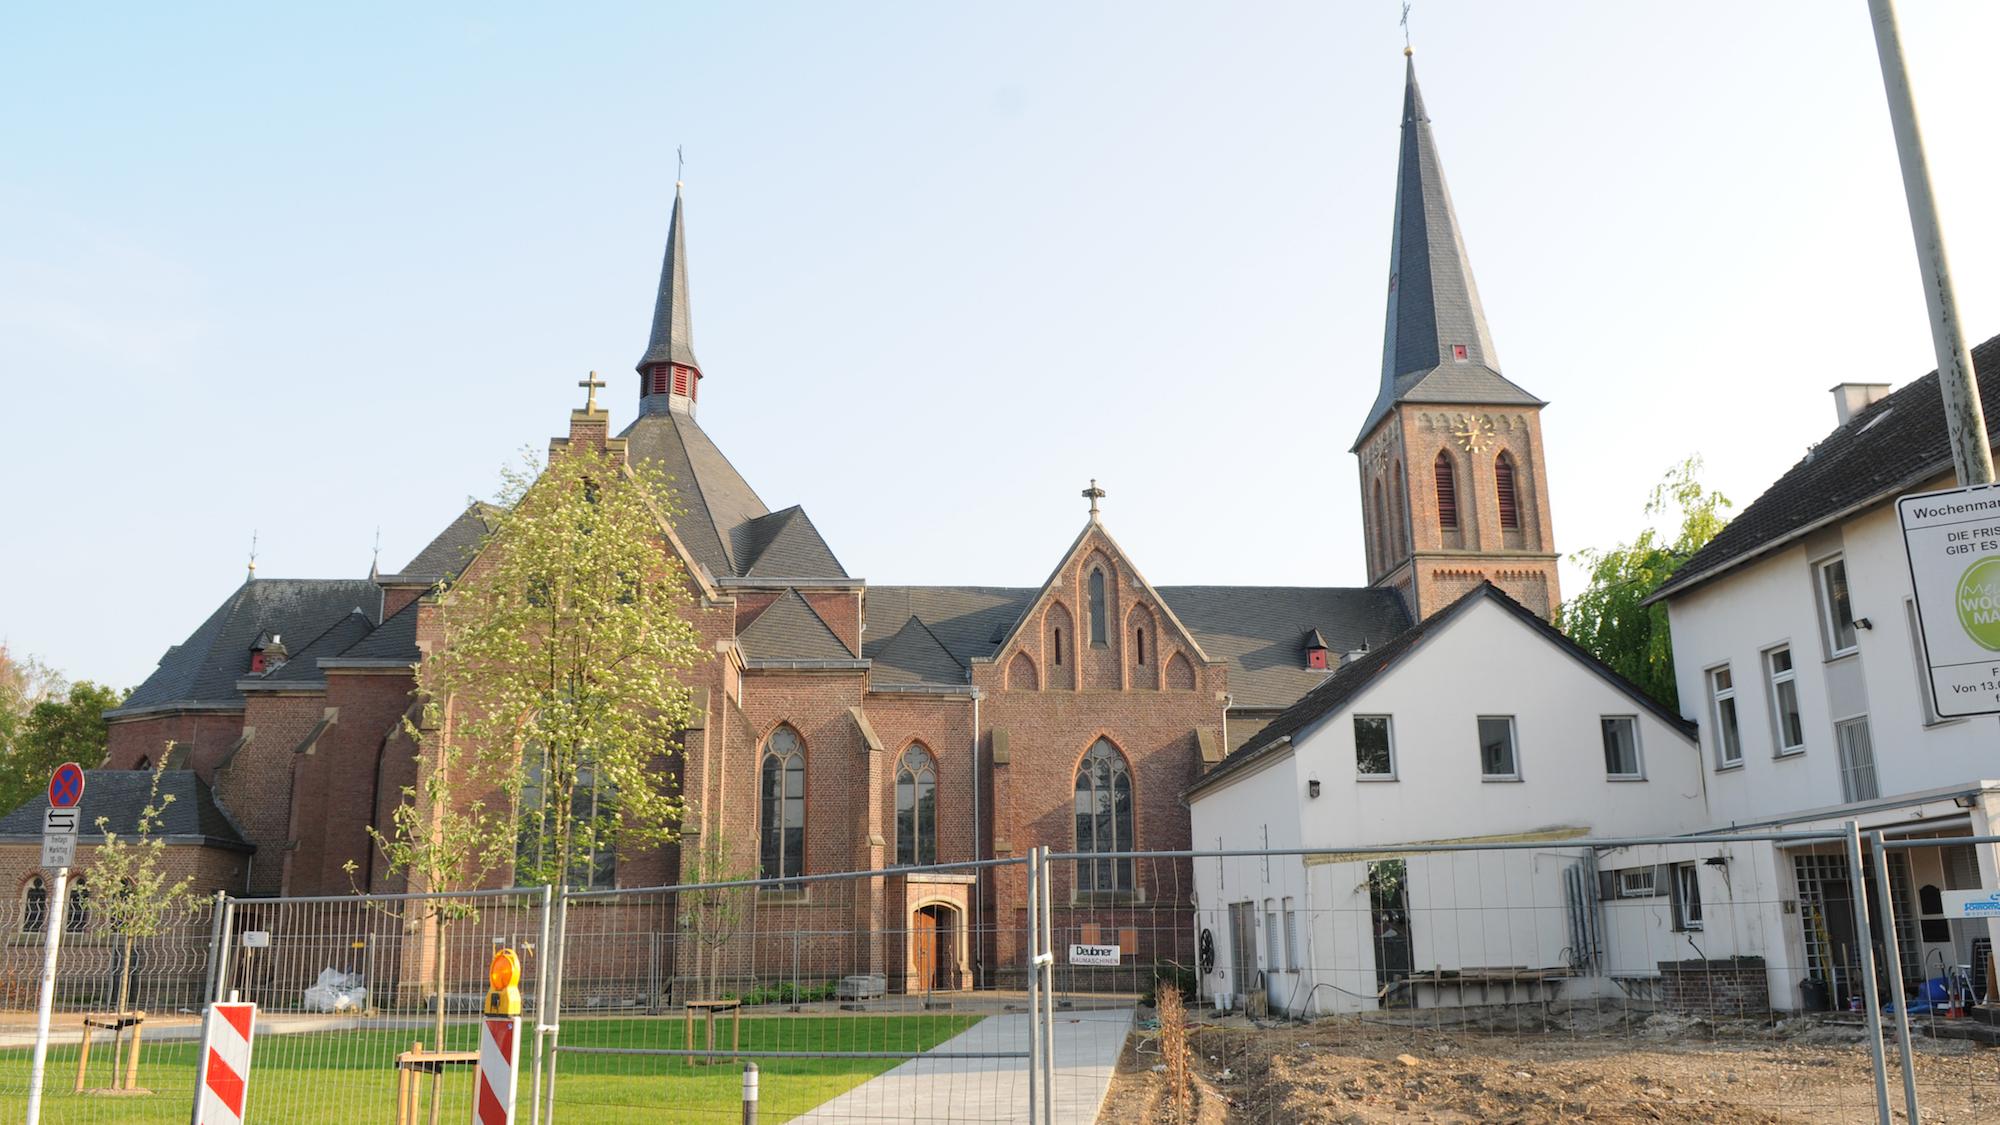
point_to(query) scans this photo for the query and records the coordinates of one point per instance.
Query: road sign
(1952, 540)
(59, 837)
(66, 786)
(224, 1059)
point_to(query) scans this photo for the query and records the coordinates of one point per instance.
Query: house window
(1104, 818)
(1636, 882)
(1722, 696)
(1291, 938)
(1271, 961)
(1503, 488)
(1139, 635)
(1374, 748)
(1788, 730)
(916, 807)
(1687, 897)
(1496, 748)
(1857, 760)
(1924, 693)
(1097, 638)
(1058, 647)
(782, 850)
(1836, 607)
(1447, 493)
(1621, 745)
(34, 906)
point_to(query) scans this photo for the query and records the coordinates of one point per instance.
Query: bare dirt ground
(1662, 1069)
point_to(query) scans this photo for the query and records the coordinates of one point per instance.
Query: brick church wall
(207, 735)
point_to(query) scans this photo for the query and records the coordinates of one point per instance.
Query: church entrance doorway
(933, 947)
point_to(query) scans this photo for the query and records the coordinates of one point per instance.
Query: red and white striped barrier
(224, 1079)
(499, 1051)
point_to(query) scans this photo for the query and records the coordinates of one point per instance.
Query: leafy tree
(64, 727)
(554, 697)
(129, 891)
(1607, 617)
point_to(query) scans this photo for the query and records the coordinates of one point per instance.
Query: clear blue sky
(311, 272)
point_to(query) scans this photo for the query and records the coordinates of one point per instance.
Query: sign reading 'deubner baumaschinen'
(1953, 540)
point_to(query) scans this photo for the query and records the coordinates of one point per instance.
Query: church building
(848, 726)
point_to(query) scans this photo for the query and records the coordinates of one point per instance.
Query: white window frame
(1291, 936)
(1271, 935)
(1773, 680)
(1717, 696)
(1630, 886)
(1687, 889)
(1638, 772)
(1851, 771)
(1513, 749)
(1823, 590)
(1389, 728)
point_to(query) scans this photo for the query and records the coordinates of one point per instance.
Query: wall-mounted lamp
(1863, 623)
(1717, 861)
(1312, 787)
(1965, 800)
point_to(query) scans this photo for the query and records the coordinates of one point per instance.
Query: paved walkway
(992, 1090)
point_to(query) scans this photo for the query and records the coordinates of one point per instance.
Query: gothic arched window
(34, 906)
(916, 807)
(1097, 608)
(1447, 492)
(1104, 818)
(1503, 488)
(782, 815)
(1396, 545)
(1379, 540)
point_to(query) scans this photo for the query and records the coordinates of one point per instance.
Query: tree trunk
(125, 976)
(438, 963)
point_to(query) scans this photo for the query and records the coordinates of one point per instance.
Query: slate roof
(790, 630)
(715, 499)
(913, 655)
(1433, 300)
(303, 664)
(394, 639)
(447, 554)
(119, 795)
(202, 671)
(1258, 631)
(1890, 448)
(784, 544)
(672, 340)
(1353, 677)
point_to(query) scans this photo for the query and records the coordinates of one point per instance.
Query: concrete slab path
(928, 1090)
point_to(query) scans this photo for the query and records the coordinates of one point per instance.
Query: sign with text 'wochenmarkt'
(1953, 541)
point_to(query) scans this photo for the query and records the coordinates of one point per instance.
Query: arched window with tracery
(1447, 492)
(782, 812)
(1104, 818)
(34, 906)
(916, 807)
(1503, 489)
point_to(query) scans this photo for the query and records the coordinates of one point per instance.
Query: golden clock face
(1474, 434)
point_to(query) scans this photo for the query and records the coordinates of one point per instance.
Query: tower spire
(669, 374)
(1436, 346)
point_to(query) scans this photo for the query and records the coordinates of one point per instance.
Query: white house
(1482, 724)
(1797, 652)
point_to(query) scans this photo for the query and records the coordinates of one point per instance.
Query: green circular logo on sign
(1979, 603)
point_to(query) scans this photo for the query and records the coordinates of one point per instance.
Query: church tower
(1454, 491)
(669, 375)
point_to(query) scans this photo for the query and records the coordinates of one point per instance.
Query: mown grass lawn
(349, 1077)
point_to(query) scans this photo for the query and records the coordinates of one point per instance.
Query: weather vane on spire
(253, 552)
(680, 165)
(592, 383)
(1093, 494)
(1405, 21)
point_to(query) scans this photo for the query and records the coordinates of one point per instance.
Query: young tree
(1607, 617)
(130, 892)
(66, 726)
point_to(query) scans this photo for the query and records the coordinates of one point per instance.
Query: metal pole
(1857, 881)
(541, 1006)
(1892, 953)
(215, 947)
(1048, 970)
(1957, 382)
(228, 935)
(749, 1093)
(1034, 994)
(551, 1022)
(52, 927)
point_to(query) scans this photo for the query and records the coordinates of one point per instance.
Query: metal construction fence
(1718, 977)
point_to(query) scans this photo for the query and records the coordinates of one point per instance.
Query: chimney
(1850, 399)
(1315, 649)
(268, 654)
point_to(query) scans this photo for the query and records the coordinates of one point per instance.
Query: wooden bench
(411, 1066)
(709, 1008)
(125, 1077)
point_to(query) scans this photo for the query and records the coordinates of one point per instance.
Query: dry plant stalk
(1175, 1054)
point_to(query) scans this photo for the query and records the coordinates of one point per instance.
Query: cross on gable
(1093, 494)
(592, 383)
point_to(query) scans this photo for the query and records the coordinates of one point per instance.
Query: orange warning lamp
(504, 975)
